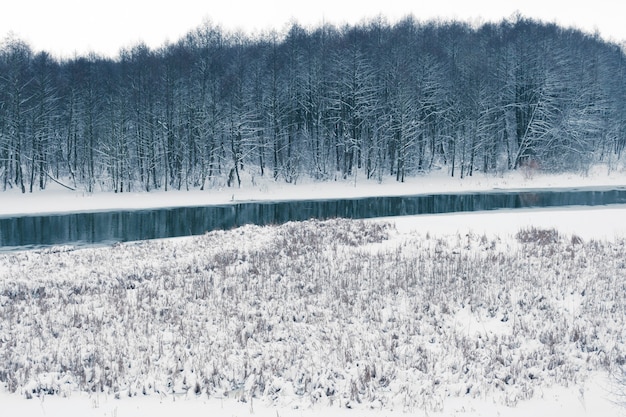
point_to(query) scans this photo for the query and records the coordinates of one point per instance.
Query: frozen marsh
(340, 314)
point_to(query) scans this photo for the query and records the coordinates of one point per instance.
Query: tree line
(373, 100)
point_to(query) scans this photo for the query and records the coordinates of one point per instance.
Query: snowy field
(317, 318)
(508, 313)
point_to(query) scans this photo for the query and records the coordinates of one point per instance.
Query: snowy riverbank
(57, 199)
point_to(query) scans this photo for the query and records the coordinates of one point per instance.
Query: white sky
(66, 27)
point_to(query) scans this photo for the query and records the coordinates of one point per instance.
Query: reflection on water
(121, 226)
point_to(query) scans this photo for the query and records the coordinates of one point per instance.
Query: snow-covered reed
(343, 313)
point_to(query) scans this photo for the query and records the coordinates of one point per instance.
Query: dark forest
(374, 100)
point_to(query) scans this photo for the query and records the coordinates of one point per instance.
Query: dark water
(121, 226)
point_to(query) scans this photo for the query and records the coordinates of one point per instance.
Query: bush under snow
(343, 313)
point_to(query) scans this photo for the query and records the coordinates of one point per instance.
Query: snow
(59, 200)
(299, 271)
(598, 222)
(591, 401)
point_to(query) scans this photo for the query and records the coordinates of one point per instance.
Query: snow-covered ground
(590, 401)
(599, 222)
(439, 315)
(58, 199)
(318, 318)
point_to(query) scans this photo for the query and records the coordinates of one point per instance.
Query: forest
(372, 100)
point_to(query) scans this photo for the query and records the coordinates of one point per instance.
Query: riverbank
(57, 199)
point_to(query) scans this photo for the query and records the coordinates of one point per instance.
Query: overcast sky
(68, 27)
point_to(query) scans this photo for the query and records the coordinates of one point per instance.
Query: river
(106, 227)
